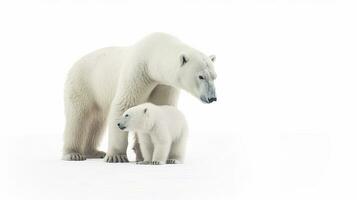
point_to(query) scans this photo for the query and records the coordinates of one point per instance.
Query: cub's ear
(145, 110)
(183, 59)
(212, 57)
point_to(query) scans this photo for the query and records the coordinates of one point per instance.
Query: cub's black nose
(121, 126)
(210, 100)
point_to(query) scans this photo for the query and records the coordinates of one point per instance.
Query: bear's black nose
(119, 125)
(210, 100)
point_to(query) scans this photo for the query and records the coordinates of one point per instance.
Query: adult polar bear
(104, 84)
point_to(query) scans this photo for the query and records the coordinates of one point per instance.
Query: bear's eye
(201, 77)
(126, 115)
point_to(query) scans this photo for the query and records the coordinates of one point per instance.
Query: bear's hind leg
(94, 135)
(76, 126)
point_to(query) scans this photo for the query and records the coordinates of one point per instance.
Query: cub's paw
(96, 154)
(116, 158)
(173, 161)
(157, 162)
(143, 162)
(73, 157)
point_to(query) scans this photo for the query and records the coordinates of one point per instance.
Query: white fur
(161, 130)
(105, 83)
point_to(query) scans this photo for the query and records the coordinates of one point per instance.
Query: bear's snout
(121, 126)
(208, 99)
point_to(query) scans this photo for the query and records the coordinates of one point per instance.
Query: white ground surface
(35, 171)
(249, 166)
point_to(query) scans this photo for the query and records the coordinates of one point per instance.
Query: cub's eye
(201, 77)
(126, 115)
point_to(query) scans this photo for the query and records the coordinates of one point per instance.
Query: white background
(284, 126)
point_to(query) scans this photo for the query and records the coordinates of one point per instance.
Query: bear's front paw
(143, 162)
(157, 162)
(73, 157)
(173, 161)
(116, 158)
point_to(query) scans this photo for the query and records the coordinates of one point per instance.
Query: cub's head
(196, 75)
(136, 118)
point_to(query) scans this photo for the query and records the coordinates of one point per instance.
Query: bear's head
(196, 75)
(136, 118)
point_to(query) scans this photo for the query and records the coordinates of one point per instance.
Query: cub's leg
(139, 156)
(162, 146)
(161, 152)
(177, 152)
(146, 147)
(94, 135)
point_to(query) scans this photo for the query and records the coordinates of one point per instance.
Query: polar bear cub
(161, 131)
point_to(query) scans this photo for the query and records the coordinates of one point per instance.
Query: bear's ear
(212, 57)
(183, 59)
(145, 110)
